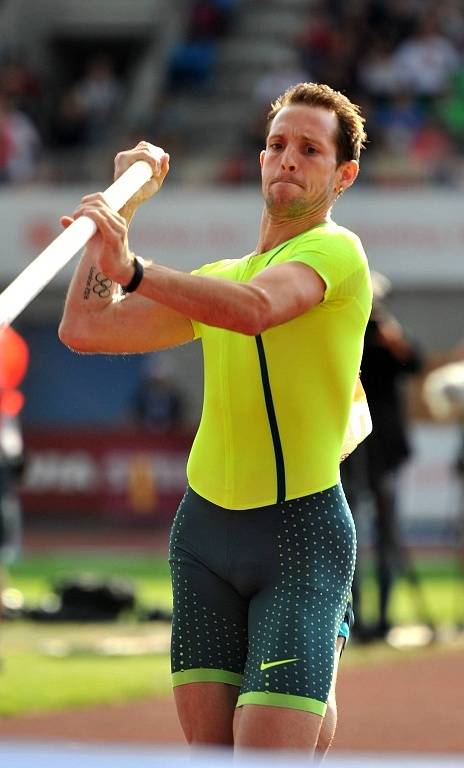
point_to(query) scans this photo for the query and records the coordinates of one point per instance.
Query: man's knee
(328, 727)
(329, 723)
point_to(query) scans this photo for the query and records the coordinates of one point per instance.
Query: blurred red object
(14, 359)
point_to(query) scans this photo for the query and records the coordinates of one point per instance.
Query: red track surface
(408, 706)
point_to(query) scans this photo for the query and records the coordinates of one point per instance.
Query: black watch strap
(136, 278)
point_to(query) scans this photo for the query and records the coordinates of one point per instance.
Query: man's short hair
(351, 135)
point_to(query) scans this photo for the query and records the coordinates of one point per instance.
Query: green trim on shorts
(205, 675)
(283, 700)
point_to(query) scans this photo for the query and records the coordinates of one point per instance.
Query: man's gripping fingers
(109, 223)
(94, 200)
(156, 157)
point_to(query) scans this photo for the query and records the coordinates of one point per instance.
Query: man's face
(299, 165)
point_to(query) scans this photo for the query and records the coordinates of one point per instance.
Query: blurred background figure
(20, 143)
(193, 60)
(372, 471)
(14, 358)
(443, 393)
(97, 94)
(157, 403)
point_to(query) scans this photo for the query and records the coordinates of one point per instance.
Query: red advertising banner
(110, 473)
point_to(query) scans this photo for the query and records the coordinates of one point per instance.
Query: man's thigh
(206, 712)
(209, 632)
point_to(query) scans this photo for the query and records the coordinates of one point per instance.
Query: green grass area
(439, 594)
(33, 679)
(35, 575)
(31, 682)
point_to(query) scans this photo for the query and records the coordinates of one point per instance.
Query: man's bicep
(293, 288)
(167, 328)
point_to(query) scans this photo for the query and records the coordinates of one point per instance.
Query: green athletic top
(276, 405)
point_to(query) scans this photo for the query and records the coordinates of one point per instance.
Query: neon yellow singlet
(276, 406)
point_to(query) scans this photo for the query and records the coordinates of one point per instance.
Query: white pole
(47, 264)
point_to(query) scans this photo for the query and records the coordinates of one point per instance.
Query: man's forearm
(90, 290)
(239, 307)
(89, 293)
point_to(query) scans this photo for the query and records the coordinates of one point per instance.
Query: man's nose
(289, 159)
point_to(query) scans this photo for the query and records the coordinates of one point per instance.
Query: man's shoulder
(221, 268)
(332, 234)
(329, 240)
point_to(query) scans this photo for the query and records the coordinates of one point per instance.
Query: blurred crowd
(39, 121)
(401, 60)
(50, 119)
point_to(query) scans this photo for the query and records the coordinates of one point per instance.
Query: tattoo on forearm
(88, 283)
(101, 285)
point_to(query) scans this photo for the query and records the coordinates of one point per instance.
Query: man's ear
(261, 157)
(349, 172)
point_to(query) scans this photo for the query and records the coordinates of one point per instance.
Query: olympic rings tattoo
(102, 285)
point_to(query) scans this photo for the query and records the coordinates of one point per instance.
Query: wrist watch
(134, 283)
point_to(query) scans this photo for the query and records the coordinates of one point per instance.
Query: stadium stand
(197, 75)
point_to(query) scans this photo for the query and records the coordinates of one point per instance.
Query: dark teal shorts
(260, 596)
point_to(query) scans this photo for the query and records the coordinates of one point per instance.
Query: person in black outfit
(389, 356)
(157, 404)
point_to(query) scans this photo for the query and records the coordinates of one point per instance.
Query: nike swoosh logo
(267, 664)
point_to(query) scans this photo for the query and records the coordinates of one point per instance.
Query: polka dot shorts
(260, 596)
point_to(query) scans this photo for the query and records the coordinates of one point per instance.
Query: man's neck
(274, 231)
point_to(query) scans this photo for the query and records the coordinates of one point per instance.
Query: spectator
(276, 80)
(434, 150)
(192, 62)
(157, 404)
(450, 109)
(69, 123)
(11, 469)
(378, 72)
(388, 357)
(22, 85)
(20, 144)
(97, 97)
(427, 60)
(192, 65)
(209, 19)
(317, 42)
(400, 119)
(14, 358)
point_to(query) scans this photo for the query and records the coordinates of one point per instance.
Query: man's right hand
(159, 161)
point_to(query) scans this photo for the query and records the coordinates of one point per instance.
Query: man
(389, 357)
(263, 546)
(14, 360)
